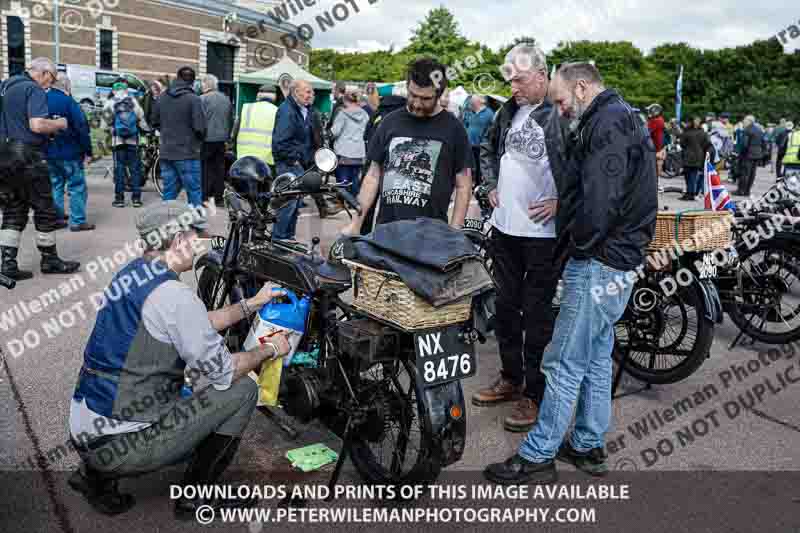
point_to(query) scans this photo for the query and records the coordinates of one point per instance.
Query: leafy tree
(758, 78)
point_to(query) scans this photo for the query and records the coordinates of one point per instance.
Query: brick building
(149, 38)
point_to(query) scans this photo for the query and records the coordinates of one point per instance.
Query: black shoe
(137, 203)
(102, 494)
(61, 224)
(118, 203)
(211, 458)
(519, 471)
(593, 462)
(52, 264)
(9, 266)
(83, 227)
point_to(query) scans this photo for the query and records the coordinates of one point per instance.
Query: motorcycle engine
(301, 389)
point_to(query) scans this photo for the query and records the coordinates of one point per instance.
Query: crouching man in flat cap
(128, 416)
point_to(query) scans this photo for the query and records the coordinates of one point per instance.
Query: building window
(16, 46)
(106, 49)
(220, 60)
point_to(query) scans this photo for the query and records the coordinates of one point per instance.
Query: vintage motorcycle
(400, 424)
(762, 296)
(662, 337)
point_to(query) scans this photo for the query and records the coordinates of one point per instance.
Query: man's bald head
(302, 92)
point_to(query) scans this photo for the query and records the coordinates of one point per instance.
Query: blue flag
(679, 95)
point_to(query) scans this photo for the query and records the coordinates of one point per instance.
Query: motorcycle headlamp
(792, 183)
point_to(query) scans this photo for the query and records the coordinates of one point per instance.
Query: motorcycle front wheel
(395, 446)
(155, 176)
(766, 305)
(665, 338)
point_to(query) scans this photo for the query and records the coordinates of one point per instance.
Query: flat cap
(171, 217)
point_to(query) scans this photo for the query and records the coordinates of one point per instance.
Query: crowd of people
(574, 198)
(742, 147)
(560, 211)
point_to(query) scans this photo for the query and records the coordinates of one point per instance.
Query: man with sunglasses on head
(25, 126)
(523, 167)
(419, 155)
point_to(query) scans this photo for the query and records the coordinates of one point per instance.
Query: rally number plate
(443, 356)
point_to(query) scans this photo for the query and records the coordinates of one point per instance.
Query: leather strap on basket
(679, 214)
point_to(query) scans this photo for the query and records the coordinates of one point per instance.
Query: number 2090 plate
(442, 356)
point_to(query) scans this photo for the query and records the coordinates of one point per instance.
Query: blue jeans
(286, 225)
(694, 184)
(185, 174)
(577, 362)
(351, 174)
(69, 174)
(127, 157)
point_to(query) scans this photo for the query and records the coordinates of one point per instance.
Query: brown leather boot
(524, 416)
(498, 392)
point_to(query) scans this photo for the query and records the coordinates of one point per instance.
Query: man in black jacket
(610, 200)
(752, 153)
(183, 130)
(25, 125)
(522, 164)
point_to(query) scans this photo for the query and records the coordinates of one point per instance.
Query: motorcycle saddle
(330, 277)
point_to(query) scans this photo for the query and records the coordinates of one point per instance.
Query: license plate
(708, 268)
(474, 224)
(443, 356)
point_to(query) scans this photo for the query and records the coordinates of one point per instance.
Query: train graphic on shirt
(409, 170)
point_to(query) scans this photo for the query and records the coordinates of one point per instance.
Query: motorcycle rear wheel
(412, 457)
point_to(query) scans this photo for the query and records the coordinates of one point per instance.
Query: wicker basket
(693, 231)
(383, 295)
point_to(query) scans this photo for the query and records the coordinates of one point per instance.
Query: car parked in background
(91, 86)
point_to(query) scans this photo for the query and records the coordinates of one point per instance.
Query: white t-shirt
(525, 178)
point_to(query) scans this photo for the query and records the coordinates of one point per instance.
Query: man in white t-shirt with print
(521, 160)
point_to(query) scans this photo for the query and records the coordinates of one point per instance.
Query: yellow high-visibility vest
(255, 131)
(792, 156)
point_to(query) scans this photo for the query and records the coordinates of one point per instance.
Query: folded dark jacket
(437, 263)
(424, 241)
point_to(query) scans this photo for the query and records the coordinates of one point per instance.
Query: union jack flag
(716, 197)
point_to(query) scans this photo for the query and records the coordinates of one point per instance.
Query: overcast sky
(646, 23)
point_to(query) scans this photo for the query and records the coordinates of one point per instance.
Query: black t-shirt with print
(420, 158)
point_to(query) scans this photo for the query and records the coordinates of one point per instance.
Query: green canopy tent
(274, 75)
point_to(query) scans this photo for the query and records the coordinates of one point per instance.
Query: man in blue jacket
(293, 147)
(477, 122)
(66, 154)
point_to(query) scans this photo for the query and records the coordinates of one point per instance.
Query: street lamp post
(56, 36)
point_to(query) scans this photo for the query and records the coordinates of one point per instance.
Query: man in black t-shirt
(419, 156)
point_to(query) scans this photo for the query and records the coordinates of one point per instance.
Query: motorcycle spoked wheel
(216, 296)
(155, 176)
(395, 445)
(767, 306)
(667, 338)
